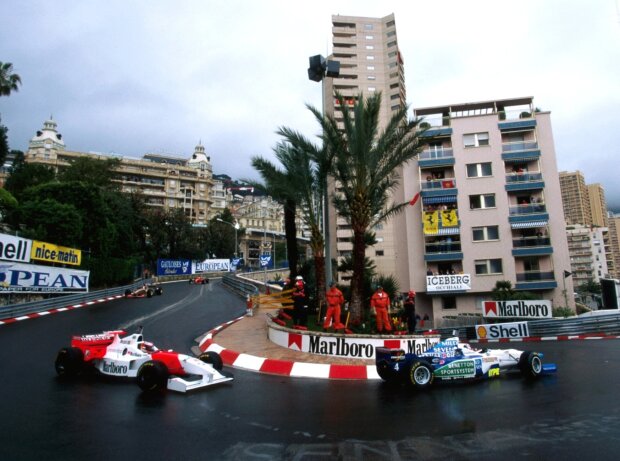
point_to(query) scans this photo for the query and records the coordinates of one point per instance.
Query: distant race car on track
(145, 291)
(199, 280)
(115, 353)
(451, 360)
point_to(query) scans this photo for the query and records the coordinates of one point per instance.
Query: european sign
(30, 278)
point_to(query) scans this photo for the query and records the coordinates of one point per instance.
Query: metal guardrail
(607, 322)
(239, 286)
(33, 307)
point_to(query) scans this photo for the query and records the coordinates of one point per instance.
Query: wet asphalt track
(573, 415)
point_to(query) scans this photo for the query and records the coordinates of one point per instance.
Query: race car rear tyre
(530, 364)
(385, 371)
(127, 292)
(152, 376)
(69, 362)
(213, 359)
(149, 293)
(159, 291)
(420, 375)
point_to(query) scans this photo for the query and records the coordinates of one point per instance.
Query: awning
(439, 199)
(447, 231)
(528, 224)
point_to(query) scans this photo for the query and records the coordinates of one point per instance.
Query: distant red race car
(198, 280)
(145, 291)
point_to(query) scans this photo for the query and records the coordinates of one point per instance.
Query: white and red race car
(114, 353)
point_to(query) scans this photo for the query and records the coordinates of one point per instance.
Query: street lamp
(236, 226)
(320, 68)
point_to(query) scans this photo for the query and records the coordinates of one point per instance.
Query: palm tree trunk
(290, 229)
(357, 281)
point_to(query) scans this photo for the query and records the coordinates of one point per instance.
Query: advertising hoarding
(31, 278)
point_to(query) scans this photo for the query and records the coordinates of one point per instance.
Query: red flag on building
(414, 199)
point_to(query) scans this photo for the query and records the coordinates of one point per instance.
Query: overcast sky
(131, 77)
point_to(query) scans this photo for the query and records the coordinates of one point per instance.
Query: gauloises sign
(443, 283)
(520, 309)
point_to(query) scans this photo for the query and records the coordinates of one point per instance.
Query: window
(390, 23)
(370, 47)
(370, 58)
(391, 44)
(448, 302)
(481, 234)
(370, 67)
(367, 26)
(478, 170)
(481, 201)
(370, 37)
(372, 77)
(391, 33)
(379, 253)
(372, 88)
(488, 266)
(476, 139)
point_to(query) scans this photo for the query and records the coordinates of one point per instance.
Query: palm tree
(312, 166)
(8, 80)
(278, 184)
(366, 165)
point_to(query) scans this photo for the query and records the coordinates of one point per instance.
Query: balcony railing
(442, 247)
(431, 154)
(523, 177)
(530, 242)
(433, 184)
(532, 208)
(535, 276)
(518, 146)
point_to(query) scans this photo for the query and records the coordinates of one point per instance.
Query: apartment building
(585, 204)
(370, 62)
(166, 182)
(586, 247)
(575, 198)
(490, 208)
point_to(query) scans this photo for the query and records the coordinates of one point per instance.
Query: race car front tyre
(159, 291)
(149, 293)
(152, 376)
(213, 359)
(420, 375)
(530, 364)
(69, 362)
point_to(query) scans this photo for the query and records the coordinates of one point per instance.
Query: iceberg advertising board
(174, 267)
(30, 278)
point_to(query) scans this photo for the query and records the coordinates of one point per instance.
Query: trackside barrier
(240, 286)
(33, 307)
(607, 322)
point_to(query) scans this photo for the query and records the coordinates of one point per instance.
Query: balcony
(443, 250)
(536, 280)
(524, 181)
(532, 246)
(439, 184)
(435, 157)
(528, 212)
(520, 151)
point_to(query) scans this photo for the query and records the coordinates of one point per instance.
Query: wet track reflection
(568, 416)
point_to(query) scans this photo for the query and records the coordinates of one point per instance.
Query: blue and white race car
(451, 360)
